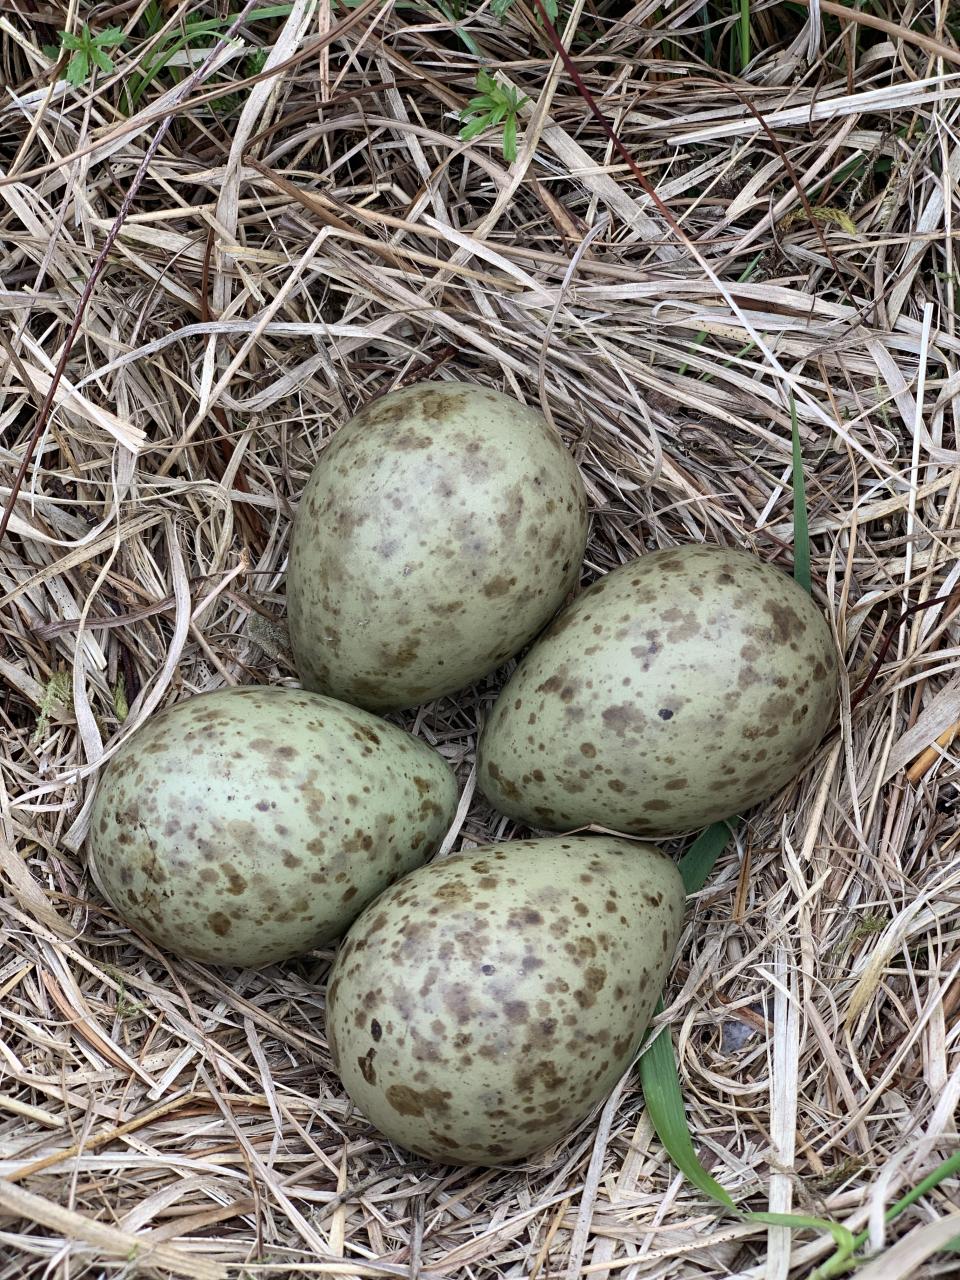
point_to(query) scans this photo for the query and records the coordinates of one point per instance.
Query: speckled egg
(482, 1007)
(680, 689)
(440, 531)
(252, 824)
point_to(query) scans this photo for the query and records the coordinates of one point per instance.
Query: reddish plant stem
(578, 81)
(611, 133)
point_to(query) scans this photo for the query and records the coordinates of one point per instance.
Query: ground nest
(274, 231)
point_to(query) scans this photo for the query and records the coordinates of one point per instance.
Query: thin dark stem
(888, 640)
(571, 70)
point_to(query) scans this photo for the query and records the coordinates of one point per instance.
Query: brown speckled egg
(481, 1008)
(440, 531)
(679, 690)
(250, 825)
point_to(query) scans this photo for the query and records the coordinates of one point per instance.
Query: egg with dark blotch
(440, 531)
(480, 1009)
(681, 689)
(250, 825)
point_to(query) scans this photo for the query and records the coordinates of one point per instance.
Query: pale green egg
(252, 824)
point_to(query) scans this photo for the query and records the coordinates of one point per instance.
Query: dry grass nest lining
(280, 265)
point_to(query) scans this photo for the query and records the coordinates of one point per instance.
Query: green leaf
(801, 523)
(103, 60)
(88, 48)
(77, 68)
(473, 128)
(664, 1102)
(510, 140)
(699, 860)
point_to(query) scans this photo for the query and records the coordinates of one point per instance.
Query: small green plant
(120, 704)
(193, 34)
(89, 51)
(127, 1007)
(869, 924)
(57, 693)
(494, 104)
(230, 102)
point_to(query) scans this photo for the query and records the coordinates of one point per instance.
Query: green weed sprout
(88, 52)
(494, 104)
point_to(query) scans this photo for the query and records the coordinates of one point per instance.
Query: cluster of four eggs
(441, 531)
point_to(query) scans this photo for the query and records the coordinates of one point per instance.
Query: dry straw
(309, 232)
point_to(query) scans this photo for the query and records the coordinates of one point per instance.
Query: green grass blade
(699, 860)
(744, 25)
(153, 17)
(842, 1236)
(658, 1067)
(664, 1102)
(194, 31)
(801, 523)
(704, 17)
